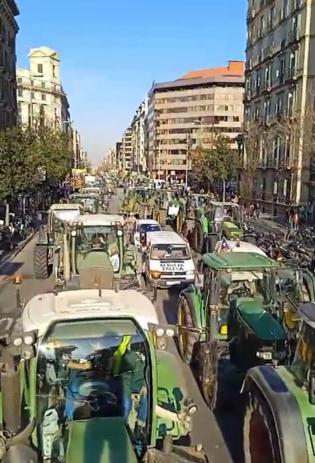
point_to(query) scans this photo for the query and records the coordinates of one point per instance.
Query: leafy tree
(215, 164)
(25, 153)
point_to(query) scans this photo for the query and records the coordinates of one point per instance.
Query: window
(43, 96)
(19, 80)
(32, 94)
(54, 71)
(43, 84)
(20, 92)
(40, 69)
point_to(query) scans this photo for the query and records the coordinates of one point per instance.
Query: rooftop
(233, 74)
(238, 260)
(13, 7)
(234, 68)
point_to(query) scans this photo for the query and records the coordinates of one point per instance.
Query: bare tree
(292, 132)
(253, 157)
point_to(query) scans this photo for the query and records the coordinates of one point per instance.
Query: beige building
(279, 97)
(139, 138)
(197, 105)
(40, 93)
(8, 33)
(126, 150)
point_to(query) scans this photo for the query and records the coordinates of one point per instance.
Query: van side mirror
(311, 387)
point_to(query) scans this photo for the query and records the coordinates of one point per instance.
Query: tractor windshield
(199, 201)
(88, 369)
(99, 238)
(140, 192)
(250, 284)
(89, 204)
(292, 284)
(227, 212)
(304, 355)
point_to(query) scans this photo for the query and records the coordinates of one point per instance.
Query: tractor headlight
(161, 343)
(17, 342)
(28, 340)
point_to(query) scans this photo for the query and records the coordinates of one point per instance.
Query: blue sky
(112, 51)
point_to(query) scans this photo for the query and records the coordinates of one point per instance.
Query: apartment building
(40, 93)
(8, 32)
(118, 150)
(279, 97)
(139, 138)
(198, 105)
(127, 161)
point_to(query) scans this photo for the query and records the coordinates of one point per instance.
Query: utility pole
(188, 146)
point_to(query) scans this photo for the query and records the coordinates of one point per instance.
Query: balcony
(290, 75)
(294, 35)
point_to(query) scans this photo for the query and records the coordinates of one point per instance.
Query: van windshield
(170, 252)
(89, 369)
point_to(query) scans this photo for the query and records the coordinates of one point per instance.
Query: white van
(168, 261)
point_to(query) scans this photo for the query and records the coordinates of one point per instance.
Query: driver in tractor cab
(125, 364)
(109, 244)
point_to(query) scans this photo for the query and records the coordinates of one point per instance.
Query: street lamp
(188, 146)
(240, 140)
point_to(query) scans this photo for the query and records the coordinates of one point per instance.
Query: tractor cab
(234, 312)
(85, 378)
(225, 219)
(91, 203)
(100, 255)
(196, 201)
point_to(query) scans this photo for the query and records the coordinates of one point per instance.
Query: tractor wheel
(179, 222)
(199, 238)
(190, 224)
(209, 373)
(261, 443)
(41, 268)
(212, 242)
(162, 217)
(186, 340)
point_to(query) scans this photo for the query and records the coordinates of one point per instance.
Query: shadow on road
(9, 269)
(170, 305)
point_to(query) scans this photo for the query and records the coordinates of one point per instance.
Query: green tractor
(233, 314)
(194, 206)
(91, 203)
(85, 379)
(140, 201)
(48, 252)
(167, 207)
(214, 221)
(97, 253)
(280, 402)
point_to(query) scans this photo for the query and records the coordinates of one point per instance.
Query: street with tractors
(91, 373)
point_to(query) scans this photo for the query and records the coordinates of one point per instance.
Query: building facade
(118, 151)
(76, 148)
(41, 97)
(139, 138)
(279, 98)
(127, 161)
(8, 33)
(199, 105)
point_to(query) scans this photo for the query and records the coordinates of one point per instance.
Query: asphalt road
(207, 427)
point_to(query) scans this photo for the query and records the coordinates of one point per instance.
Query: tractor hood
(260, 321)
(231, 230)
(99, 440)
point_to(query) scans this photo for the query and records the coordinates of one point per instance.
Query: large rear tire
(162, 217)
(209, 373)
(261, 443)
(41, 268)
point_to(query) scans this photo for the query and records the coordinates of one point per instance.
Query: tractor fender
(195, 306)
(285, 411)
(42, 236)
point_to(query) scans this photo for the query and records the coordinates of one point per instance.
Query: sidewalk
(6, 256)
(266, 225)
